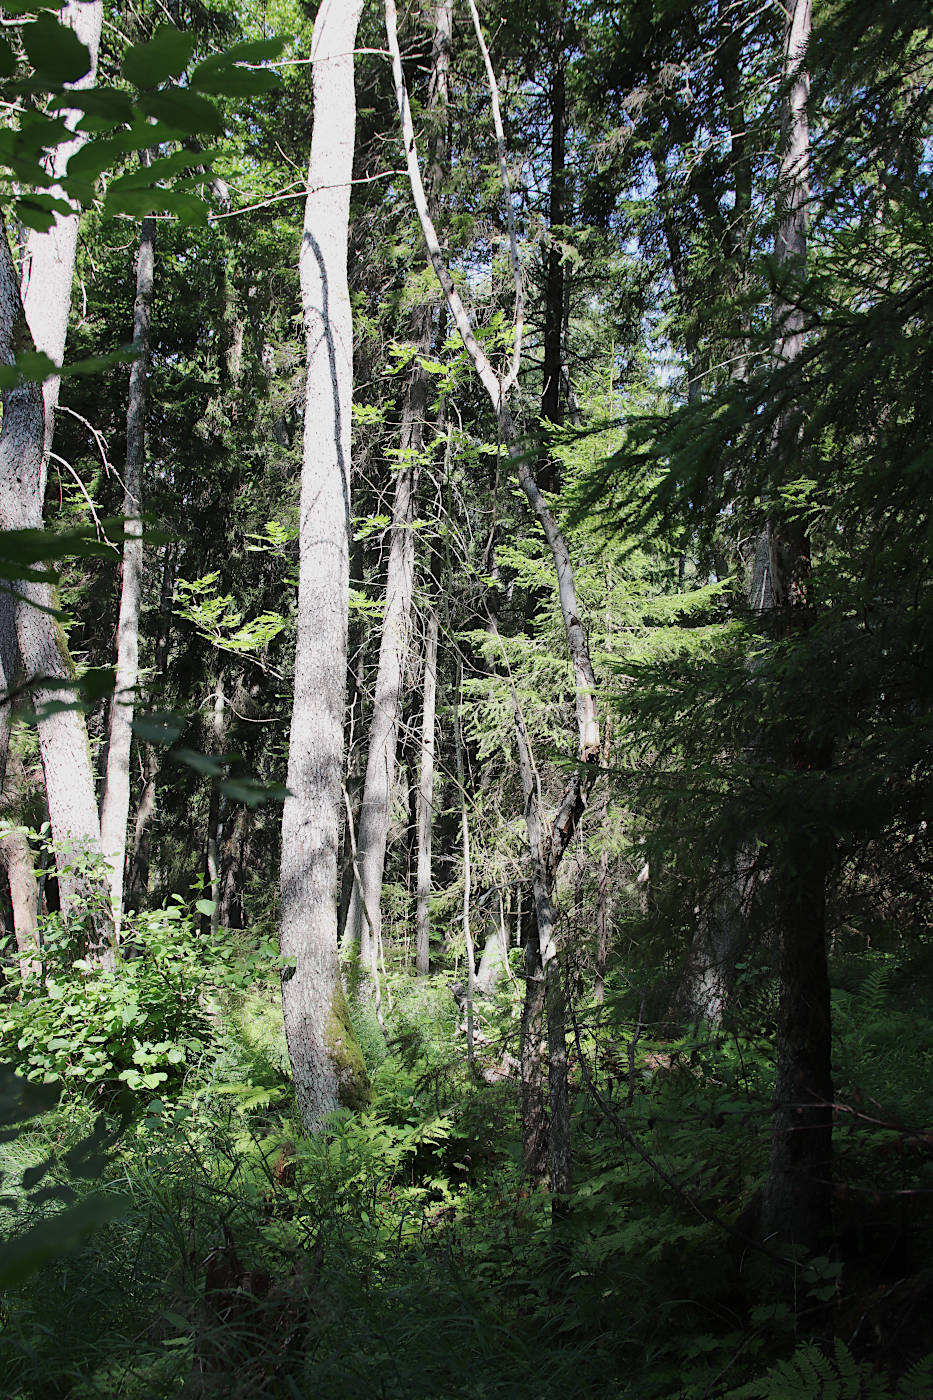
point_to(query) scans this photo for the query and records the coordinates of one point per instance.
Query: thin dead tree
(115, 797)
(547, 839)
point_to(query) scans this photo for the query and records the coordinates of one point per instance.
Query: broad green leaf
(55, 52)
(108, 103)
(7, 61)
(200, 762)
(248, 51)
(183, 110)
(159, 727)
(29, 7)
(205, 907)
(165, 56)
(159, 169)
(139, 202)
(30, 213)
(237, 82)
(251, 792)
(97, 155)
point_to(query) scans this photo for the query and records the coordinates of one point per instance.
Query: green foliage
(141, 1026)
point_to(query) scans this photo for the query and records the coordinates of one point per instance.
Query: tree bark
(393, 654)
(43, 649)
(115, 799)
(17, 859)
(379, 783)
(39, 311)
(469, 950)
(145, 812)
(554, 278)
(425, 813)
(326, 1063)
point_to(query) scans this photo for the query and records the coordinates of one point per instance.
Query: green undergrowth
(401, 1254)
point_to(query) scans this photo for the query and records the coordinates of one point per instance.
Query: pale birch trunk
(115, 799)
(469, 950)
(379, 783)
(16, 857)
(326, 1063)
(425, 811)
(48, 273)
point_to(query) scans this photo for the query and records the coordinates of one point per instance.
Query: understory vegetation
(402, 1253)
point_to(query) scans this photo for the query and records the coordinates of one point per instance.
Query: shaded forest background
(681, 1146)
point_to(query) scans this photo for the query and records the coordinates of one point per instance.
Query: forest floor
(401, 1254)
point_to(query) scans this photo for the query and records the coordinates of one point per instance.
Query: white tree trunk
(115, 799)
(383, 734)
(425, 811)
(48, 273)
(49, 261)
(326, 1062)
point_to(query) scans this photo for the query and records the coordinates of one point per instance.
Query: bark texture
(326, 1063)
(372, 837)
(40, 315)
(547, 842)
(115, 799)
(425, 807)
(40, 640)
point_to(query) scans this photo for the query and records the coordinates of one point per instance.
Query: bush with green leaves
(141, 1025)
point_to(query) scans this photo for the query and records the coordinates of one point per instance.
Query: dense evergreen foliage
(633, 1045)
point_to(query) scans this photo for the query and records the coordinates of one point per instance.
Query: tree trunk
(43, 649)
(535, 1136)
(469, 950)
(393, 653)
(115, 800)
(39, 311)
(16, 857)
(554, 268)
(139, 878)
(49, 260)
(326, 1063)
(425, 816)
(373, 828)
(798, 1192)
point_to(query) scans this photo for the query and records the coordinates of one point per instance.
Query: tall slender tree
(364, 917)
(115, 798)
(326, 1062)
(41, 318)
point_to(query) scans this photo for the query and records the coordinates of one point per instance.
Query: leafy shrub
(141, 1025)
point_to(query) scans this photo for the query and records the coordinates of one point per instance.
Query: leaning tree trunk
(326, 1063)
(364, 919)
(798, 1192)
(425, 809)
(115, 799)
(547, 842)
